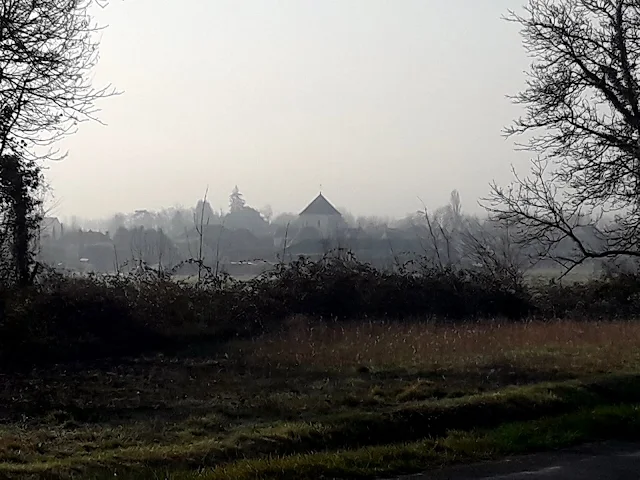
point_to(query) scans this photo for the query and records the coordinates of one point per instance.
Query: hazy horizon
(379, 102)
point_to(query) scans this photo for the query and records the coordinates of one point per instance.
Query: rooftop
(320, 206)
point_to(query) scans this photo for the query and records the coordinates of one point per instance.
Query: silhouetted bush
(342, 287)
(607, 298)
(66, 318)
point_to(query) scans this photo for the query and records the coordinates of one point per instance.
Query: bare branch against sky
(48, 51)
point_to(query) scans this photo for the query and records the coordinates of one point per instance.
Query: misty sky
(381, 102)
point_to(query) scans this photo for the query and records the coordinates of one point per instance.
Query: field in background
(310, 387)
(582, 273)
(539, 275)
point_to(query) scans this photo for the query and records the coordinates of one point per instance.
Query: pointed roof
(320, 206)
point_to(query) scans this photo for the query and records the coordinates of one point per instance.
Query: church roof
(320, 206)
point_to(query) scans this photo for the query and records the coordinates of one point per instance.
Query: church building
(321, 215)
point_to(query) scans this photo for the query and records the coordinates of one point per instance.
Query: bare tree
(47, 50)
(200, 225)
(439, 253)
(582, 118)
(489, 246)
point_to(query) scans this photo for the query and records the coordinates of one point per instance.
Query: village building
(323, 216)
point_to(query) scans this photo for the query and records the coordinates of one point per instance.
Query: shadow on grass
(174, 389)
(412, 422)
(587, 425)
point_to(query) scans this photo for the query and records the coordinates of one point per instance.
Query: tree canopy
(582, 123)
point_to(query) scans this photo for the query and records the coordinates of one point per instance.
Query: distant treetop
(236, 202)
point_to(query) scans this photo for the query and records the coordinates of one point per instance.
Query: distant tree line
(579, 204)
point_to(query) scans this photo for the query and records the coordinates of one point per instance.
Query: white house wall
(326, 224)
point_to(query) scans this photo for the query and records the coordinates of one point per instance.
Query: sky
(381, 103)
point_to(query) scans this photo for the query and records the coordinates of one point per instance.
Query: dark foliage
(64, 318)
(606, 298)
(342, 287)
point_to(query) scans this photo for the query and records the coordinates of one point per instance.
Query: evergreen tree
(236, 202)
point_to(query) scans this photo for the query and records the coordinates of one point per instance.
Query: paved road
(612, 461)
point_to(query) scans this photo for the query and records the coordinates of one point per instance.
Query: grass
(621, 422)
(570, 346)
(323, 398)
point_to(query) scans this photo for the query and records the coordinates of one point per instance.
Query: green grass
(314, 394)
(621, 422)
(601, 423)
(415, 421)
